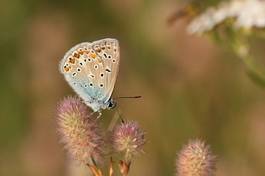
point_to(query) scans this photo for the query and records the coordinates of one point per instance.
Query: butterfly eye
(113, 60)
(90, 84)
(78, 69)
(109, 56)
(96, 66)
(101, 74)
(112, 104)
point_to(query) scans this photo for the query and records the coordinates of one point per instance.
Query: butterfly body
(91, 70)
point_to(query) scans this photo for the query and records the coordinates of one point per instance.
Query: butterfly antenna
(138, 96)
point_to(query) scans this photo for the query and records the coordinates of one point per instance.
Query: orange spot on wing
(76, 55)
(67, 69)
(81, 52)
(71, 60)
(93, 55)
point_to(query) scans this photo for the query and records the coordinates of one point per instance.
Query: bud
(195, 159)
(79, 132)
(128, 137)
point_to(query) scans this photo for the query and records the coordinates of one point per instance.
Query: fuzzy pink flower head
(128, 137)
(79, 132)
(196, 159)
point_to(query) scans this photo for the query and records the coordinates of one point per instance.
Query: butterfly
(91, 69)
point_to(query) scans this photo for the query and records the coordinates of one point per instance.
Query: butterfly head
(111, 104)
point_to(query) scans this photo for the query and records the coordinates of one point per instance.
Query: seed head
(79, 132)
(195, 159)
(128, 137)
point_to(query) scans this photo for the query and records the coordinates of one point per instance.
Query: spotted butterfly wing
(91, 70)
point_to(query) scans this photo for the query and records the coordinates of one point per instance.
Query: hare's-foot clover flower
(195, 159)
(84, 140)
(79, 132)
(128, 137)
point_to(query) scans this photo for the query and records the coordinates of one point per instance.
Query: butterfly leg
(99, 114)
(92, 113)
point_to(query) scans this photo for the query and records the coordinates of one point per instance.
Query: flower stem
(93, 169)
(124, 167)
(114, 120)
(111, 171)
(255, 71)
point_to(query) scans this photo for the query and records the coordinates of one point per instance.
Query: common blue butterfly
(91, 70)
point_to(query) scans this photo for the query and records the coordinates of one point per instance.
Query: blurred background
(191, 88)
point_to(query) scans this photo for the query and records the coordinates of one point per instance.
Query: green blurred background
(191, 88)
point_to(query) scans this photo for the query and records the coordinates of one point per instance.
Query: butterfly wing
(89, 73)
(109, 52)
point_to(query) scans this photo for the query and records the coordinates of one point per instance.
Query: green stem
(255, 71)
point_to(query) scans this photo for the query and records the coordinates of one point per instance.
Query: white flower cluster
(246, 13)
